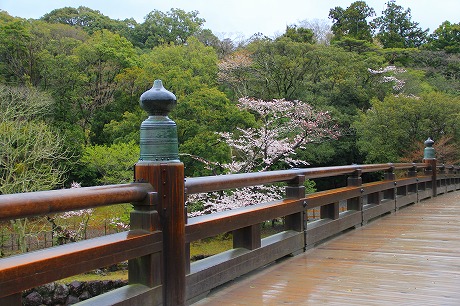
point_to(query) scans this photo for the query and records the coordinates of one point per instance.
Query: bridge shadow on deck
(411, 257)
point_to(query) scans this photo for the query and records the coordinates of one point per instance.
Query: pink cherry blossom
(285, 127)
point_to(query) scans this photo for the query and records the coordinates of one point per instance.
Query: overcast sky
(246, 17)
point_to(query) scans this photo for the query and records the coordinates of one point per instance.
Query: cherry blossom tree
(284, 128)
(63, 233)
(388, 76)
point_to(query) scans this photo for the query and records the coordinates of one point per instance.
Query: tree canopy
(352, 22)
(383, 84)
(397, 30)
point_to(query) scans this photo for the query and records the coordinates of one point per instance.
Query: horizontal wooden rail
(21, 272)
(230, 181)
(22, 205)
(210, 225)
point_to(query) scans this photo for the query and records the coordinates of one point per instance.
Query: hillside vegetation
(70, 84)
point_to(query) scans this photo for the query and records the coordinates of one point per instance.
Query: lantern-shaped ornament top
(429, 152)
(158, 141)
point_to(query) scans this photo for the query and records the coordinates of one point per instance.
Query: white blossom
(285, 127)
(398, 83)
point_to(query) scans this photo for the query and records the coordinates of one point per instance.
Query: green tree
(299, 34)
(15, 62)
(186, 67)
(103, 165)
(85, 18)
(446, 38)
(278, 68)
(389, 130)
(200, 116)
(396, 30)
(173, 27)
(31, 152)
(100, 59)
(355, 45)
(352, 21)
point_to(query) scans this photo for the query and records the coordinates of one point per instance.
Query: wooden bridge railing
(363, 203)
(157, 246)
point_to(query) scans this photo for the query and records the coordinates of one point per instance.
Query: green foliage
(391, 128)
(186, 68)
(446, 38)
(30, 157)
(279, 67)
(100, 60)
(299, 34)
(15, 37)
(352, 21)
(31, 152)
(396, 30)
(112, 164)
(199, 116)
(85, 18)
(354, 45)
(173, 27)
(125, 130)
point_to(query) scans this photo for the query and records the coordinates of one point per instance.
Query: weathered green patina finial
(429, 152)
(158, 141)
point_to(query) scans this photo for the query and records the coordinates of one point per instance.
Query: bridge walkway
(410, 257)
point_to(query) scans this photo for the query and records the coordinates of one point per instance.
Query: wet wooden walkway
(411, 257)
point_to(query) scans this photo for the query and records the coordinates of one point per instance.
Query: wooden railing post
(390, 194)
(429, 157)
(160, 166)
(298, 221)
(296, 190)
(412, 172)
(247, 237)
(355, 180)
(146, 270)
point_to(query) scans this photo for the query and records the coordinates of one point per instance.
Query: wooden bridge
(371, 257)
(411, 257)
(411, 253)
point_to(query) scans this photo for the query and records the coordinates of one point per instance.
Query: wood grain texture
(28, 270)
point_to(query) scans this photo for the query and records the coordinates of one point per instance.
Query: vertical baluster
(296, 190)
(298, 221)
(357, 202)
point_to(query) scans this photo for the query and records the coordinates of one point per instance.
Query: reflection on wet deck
(411, 257)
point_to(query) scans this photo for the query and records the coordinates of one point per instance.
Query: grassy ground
(92, 276)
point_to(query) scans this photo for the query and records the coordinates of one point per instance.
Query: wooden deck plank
(411, 257)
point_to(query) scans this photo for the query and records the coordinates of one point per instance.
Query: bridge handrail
(231, 181)
(22, 205)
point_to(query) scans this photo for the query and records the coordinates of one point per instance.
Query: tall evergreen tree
(397, 30)
(352, 21)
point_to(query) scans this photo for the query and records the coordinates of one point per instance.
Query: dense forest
(368, 89)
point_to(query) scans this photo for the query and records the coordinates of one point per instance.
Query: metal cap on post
(158, 141)
(429, 152)
(429, 157)
(159, 165)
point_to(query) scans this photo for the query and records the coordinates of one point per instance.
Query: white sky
(245, 17)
